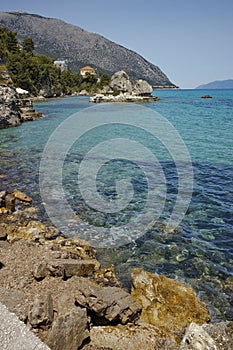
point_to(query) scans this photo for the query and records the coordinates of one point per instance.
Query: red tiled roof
(87, 68)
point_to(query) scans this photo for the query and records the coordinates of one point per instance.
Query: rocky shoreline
(56, 286)
(15, 110)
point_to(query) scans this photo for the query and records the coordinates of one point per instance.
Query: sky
(191, 41)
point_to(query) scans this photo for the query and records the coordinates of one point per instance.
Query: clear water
(201, 252)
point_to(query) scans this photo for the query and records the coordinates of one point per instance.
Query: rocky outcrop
(14, 110)
(166, 302)
(120, 82)
(55, 286)
(9, 110)
(121, 89)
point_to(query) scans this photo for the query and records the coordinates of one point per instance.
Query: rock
(106, 304)
(21, 196)
(196, 338)
(14, 300)
(167, 302)
(142, 88)
(69, 331)
(3, 234)
(64, 268)
(222, 333)
(120, 82)
(29, 230)
(83, 93)
(206, 96)
(122, 97)
(10, 202)
(132, 337)
(107, 277)
(75, 247)
(9, 111)
(41, 311)
(2, 198)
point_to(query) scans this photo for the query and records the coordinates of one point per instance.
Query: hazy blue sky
(191, 41)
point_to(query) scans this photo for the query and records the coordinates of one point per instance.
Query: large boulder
(142, 88)
(106, 304)
(133, 337)
(9, 111)
(214, 336)
(120, 82)
(166, 302)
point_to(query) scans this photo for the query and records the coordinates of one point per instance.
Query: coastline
(45, 279)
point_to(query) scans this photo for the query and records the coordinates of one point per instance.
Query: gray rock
(213, 336)
(107, 304)
(69, 331)
(64, 268)
(142, 88)
(9, 111)
(41, 311)
(14, 335)
(120, 82)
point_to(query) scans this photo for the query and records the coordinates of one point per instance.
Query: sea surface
(200, 251)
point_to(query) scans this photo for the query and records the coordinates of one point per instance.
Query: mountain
(60, 40)
(218, 84)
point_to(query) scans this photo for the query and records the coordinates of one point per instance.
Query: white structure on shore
(62, 64)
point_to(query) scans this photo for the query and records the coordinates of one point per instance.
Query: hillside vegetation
(37, 73)
(61, 40)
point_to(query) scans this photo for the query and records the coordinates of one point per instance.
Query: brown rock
(41, 311)
(132, 337)
(69, 331)
(10, 202)
(3, 234)
(14, 300)
(21, 196)
(2, 198)
(166, 302)
(107, 277)
(110, 304)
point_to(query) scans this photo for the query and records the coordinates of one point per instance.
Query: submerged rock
(167, 302)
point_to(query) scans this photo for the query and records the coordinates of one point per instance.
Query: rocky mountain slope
(218, 84)
(58, 39)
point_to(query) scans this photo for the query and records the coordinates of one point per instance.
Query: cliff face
(58, 39)
(9, 111)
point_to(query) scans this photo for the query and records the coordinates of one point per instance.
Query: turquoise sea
(200, 252)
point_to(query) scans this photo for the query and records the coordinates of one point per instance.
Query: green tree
(28, 46)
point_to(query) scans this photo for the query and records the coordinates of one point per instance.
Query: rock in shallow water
(166, 302)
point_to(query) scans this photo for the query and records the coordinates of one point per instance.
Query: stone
(14, 300)
(69, 331)
(222, 334)
(30, 230)
(3, 233)
(166, 302)
(142, 88)
(10, 202)
(9, 111)
(107, 277)
(2, 198)
(196, 338)
(21, 196)
(64, 268)
(132, 337)
(75, 247)
(120, 82)
(41, 311)
(106, 304)
(206, 96)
